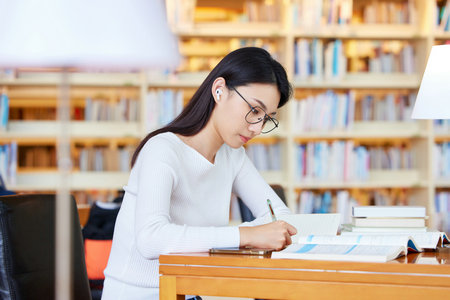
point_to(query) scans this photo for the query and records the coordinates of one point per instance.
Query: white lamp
(82, 34)
(433, 98)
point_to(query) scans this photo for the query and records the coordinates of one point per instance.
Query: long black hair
(240, 67)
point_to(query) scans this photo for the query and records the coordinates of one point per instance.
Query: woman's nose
(256, 128)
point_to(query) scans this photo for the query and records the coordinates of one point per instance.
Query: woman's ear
(218, 89)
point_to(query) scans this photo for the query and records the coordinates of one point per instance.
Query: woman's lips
(244, 138)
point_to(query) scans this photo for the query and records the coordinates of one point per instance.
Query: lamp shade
(103, 34)
(433, 98)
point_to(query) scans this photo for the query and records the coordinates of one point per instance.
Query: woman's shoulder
(161, 146)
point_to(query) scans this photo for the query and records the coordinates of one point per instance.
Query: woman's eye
(255, 111)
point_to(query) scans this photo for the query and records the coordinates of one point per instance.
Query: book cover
(389, 211)
(387, 229)
(388, 222)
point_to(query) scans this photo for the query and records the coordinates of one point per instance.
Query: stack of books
(382, 219)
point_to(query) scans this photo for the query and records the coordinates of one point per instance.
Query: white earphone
(218, 93)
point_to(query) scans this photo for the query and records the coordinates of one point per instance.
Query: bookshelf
(207, 30)
(416, 29)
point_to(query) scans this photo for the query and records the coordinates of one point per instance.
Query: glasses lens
(268, 126)
(257, 115)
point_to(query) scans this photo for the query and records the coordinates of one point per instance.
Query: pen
(272, 213)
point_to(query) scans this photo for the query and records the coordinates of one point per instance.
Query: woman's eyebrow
(263, 106)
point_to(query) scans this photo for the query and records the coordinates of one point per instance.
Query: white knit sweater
(178, 201)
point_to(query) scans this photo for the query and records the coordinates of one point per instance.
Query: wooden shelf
(233, 30)
(442, 36)
(377, 179)
(81, 79)
(363, 81)
(373, 129)
(44, 181)
(363, 31)
(442, 183)
(78, 129)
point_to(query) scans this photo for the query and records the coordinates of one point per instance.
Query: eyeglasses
(257, 114)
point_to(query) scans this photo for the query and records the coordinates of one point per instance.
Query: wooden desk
(417, 276)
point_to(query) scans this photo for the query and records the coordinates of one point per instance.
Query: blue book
(4, 111)
(326, 203)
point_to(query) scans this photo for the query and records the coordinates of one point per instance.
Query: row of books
(325, 111)
(104, 159)
(37, 113)
(441, 126)
(4, 111)
(375, 56)
(262, 11)
(186, 13)
(392, 158)
(204, 54)
(37, 156)
(342, 201)
(265, 157)
(162, 106)
(306, 13)
(321, 12)
(343, 161)
(338, 111)
(442, 202)
(443, 15)
(317, 59)
(387, 12)
(441, 163)
(390, 107)
(103, 110)
(340, 161)
(442, 206)
(7, 74)
(8, 163)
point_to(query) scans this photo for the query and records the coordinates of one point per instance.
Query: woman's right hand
(275, 235)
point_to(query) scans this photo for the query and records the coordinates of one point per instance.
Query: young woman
(178, 195)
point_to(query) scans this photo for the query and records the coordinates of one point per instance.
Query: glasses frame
(266, 116)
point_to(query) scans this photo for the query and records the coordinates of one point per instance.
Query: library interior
(346, 138)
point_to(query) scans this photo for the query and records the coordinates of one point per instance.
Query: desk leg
(168, 288)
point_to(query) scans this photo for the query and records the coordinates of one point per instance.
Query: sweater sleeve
(254, 191)
(155, 233)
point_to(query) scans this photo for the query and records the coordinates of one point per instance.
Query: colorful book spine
(4, 111)
(339, 161)
(8, 163)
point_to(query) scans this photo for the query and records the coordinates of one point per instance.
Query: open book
(370, 248)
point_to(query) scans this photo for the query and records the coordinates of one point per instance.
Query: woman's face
(234, 112)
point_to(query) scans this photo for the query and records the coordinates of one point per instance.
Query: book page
(425, 240)
(316, 224)
(341, 252)
(380, 240)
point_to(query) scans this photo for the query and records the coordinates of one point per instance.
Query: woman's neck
(207, 142)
